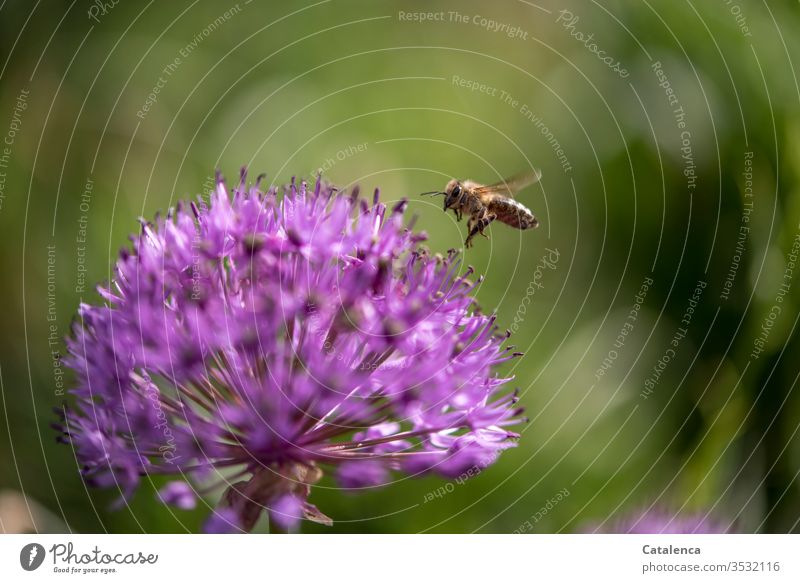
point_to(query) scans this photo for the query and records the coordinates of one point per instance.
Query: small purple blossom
(255, 342)
(222, 521)
(179, 494)
(661, 521)
(285, 511)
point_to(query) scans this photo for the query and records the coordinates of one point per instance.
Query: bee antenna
(432, 193)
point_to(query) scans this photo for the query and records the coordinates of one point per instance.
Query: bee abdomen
(514, 214)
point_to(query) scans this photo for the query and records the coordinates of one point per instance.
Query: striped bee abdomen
(513, 213)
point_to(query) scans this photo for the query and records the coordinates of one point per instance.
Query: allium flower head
(258, 341)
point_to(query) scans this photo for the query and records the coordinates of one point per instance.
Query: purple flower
(660, 521)
(179, 494)
(286, 510)
(222, 521)
(255, 342)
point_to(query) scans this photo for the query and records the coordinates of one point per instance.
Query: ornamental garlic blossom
(257, 341)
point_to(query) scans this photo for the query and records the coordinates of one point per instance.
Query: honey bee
(483, 204)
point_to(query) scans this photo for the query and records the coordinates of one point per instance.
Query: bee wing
(511, 186)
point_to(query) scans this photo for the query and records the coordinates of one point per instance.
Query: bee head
(452, 194)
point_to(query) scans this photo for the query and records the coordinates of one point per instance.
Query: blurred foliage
(286, 88)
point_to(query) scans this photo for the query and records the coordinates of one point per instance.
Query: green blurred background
(373, 97)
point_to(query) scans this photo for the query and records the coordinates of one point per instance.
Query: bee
(483, 204)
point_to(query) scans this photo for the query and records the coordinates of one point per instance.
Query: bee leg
(471, 230)
(484, 222)
(474, 227)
